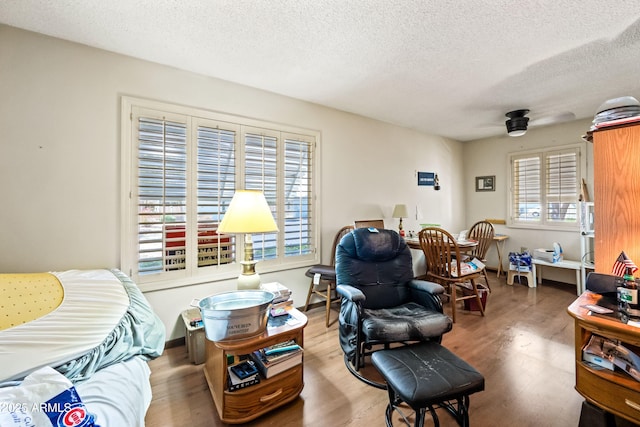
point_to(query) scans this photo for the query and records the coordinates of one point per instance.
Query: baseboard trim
(175, 342)
(314, 305)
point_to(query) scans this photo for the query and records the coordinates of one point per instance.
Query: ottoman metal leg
(420, 413)
(460, 411)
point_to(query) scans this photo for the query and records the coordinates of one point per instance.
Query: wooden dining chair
(441, 252)
(326, 286)
(482, 232)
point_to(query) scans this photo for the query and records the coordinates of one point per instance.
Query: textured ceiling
(447, 67)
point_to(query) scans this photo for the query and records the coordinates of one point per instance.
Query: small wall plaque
(486, 183)
(426, 178)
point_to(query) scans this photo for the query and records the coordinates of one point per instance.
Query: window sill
(574, 228)
(218, 277)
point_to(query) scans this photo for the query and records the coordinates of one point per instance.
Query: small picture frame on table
(486, 183)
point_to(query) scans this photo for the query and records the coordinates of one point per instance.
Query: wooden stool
(528, 274)
(325, 287)
(427, 376)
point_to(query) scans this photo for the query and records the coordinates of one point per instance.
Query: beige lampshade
(248, 213)
(400, 211)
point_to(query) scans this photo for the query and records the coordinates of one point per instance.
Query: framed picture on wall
(486, 183)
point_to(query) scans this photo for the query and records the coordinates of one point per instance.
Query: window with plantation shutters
(545, 188)
(181, 168)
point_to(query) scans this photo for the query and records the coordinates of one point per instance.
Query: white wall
(489, 157)
(60, 153)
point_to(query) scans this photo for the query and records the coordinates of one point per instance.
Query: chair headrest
(374, 246)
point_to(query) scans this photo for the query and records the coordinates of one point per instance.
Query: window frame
(195, 116)
(513, 218)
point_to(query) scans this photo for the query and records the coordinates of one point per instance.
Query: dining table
(464, 245)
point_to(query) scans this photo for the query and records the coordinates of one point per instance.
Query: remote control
(598, 309)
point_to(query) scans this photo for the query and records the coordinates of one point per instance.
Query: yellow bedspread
(26, 297)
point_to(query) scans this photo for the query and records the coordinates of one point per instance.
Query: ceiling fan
(518, 122)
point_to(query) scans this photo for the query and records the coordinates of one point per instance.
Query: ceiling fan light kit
(517, 123)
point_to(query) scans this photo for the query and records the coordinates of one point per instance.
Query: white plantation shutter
(216, 173)
(562, 186)
(261, 173)
(181, 168)
(298, 235)
(545, 188)
(526, 179)
(162, 194)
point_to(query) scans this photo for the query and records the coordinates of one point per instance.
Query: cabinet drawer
(249, 402)
(612, 396)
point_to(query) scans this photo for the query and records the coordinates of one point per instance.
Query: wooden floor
(523, 347)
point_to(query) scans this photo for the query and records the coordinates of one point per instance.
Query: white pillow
(44, 398)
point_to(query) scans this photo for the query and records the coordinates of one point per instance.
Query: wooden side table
(499, 239)
(613, 391)
(241, 406)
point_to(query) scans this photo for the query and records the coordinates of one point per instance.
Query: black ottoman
(428, 376)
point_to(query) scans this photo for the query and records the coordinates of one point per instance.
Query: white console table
(567, 264)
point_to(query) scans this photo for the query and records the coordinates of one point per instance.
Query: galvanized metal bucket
(235, 315)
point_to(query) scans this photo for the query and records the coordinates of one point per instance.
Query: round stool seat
(427, 374)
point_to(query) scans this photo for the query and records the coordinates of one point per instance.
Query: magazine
(607, 353)
(473, 266)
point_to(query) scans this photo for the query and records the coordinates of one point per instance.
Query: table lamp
(400, 211)
(248, 213)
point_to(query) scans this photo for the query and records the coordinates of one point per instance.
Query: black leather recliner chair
(381, 302)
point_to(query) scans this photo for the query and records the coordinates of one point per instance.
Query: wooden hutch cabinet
(616, 153)
(616, 167)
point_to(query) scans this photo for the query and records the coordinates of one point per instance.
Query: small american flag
(622, 263)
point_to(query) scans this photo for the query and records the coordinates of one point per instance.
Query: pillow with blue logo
(44, 398)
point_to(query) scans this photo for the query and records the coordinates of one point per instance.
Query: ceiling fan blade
(552, 119)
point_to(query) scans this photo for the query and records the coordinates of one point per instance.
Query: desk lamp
(400, 211)
(248, 213)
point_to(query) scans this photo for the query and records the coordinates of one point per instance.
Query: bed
(94, 327)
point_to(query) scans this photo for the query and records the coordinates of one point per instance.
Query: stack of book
(277, 358)
(282, 300)
(241, 375)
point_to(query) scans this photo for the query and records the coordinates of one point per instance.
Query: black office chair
(381, 302)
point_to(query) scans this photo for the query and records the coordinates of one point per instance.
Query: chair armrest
(426, 286)
(427, 294)
(350, 293)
